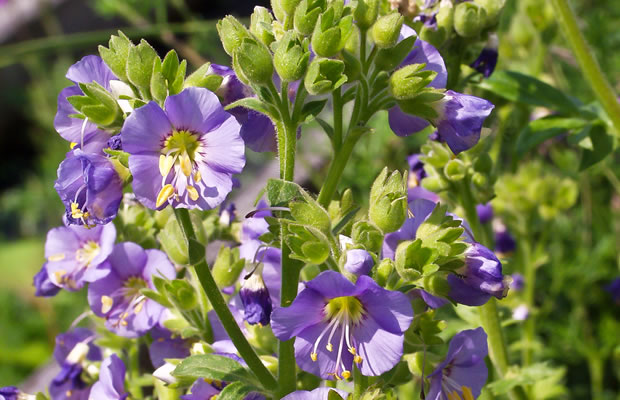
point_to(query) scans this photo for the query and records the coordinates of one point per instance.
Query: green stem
(360, 383)
(588, 64)
(488, 312)
(134, 370)
(337, 138)
(337, 167)
(221, 309)
(529, 327)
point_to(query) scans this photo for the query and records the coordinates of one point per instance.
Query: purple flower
(256, 301)
(117, 297)
(111, 383)
(430, 300)
(421, 209)
(90, 188)
(76, 255)
(479, 279)
(88, 69)
(460, 119)
(44, 287)
(257, 130)
(316, 394)
(166, 345)
(115, 143)
(614, 289)
(203, 389)
(358, 262)
(463, 371)
(186, 155)
(9, 393)
(72, 350)
(486, 62)
(459, 116)
(504, 241)
(485, 212)
(336, 323)
(518, 282)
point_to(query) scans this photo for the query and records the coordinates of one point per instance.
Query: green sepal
(115, 55)
(140, 60)
(307, 244)
(388, 59)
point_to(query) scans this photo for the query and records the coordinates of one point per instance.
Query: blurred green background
(40, 39)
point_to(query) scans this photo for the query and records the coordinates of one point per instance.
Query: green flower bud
(201, 78)
(388, 201)
(384, 270)
(480, 180)
(435, 184)
(367, 235)
(227, 266)
(288, 6)
(254, 61)
(469, 19)
(366, 13)
(437, 154)
(434, 35)
(278, 11)
(445, 16)
(306, 15)
(260, 25)
(492, 8)
(406, 263)
(326, 37)
(483, 163)
(290, 58)
(416, 362)
(231, 32)
(386, 30)
(455, 170)
(182, 294)
(324, 76)
(406, 82)
(437, 285)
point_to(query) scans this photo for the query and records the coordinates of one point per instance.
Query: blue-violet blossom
(111, 383)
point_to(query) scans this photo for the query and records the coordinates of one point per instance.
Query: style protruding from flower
(76, 254)
(117, 296)
(463, 373)
(336, 323)
(111, 383)
(183, 155)
(90, 188)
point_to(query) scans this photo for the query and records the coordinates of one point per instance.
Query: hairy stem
(588, 64)
(221, 308)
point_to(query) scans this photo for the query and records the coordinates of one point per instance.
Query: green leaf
(326, 127)
(215, 367)
(521, 88)
(153, 295)
(602, 146)
(235, 391)
(280, 193)
(545, 128)
(176, 86)
(140, 61)
(345, 220)
(170, 66)
(254, 104)
(311, 109)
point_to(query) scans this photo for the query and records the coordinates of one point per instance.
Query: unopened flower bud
(384, 270)
(324, 76)
(253, 60)
(406, 82)
(480, 180)
(182, 294)
(367, 235)
(256, 300)
(358, 262)
(288, 6)
(455, 170)
(227, 266)
(306, 15)
(366, 13)
(260, 25)
(386, 30)
(331, 31)
(290, 59)
(469, 19)
(435, 183)
(231, 32)
(388, 201)
(492, 8)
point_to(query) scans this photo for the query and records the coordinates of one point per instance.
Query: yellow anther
(165, 164)
(467, 394)
(186, 164)
(106, 304)
(313, 356)
(352, 350)
(138, 307)
(197, 177)
(56, 257)
(161, 339)
(346, 374)
(75, 211)
(69, 393)
(413, 181)
(329, 347)
(164, 194)
(72, 145)
(60, 275)
(358, 359)
(124, 323)
(193, 193)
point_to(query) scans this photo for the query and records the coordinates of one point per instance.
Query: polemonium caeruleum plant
(309, 297)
